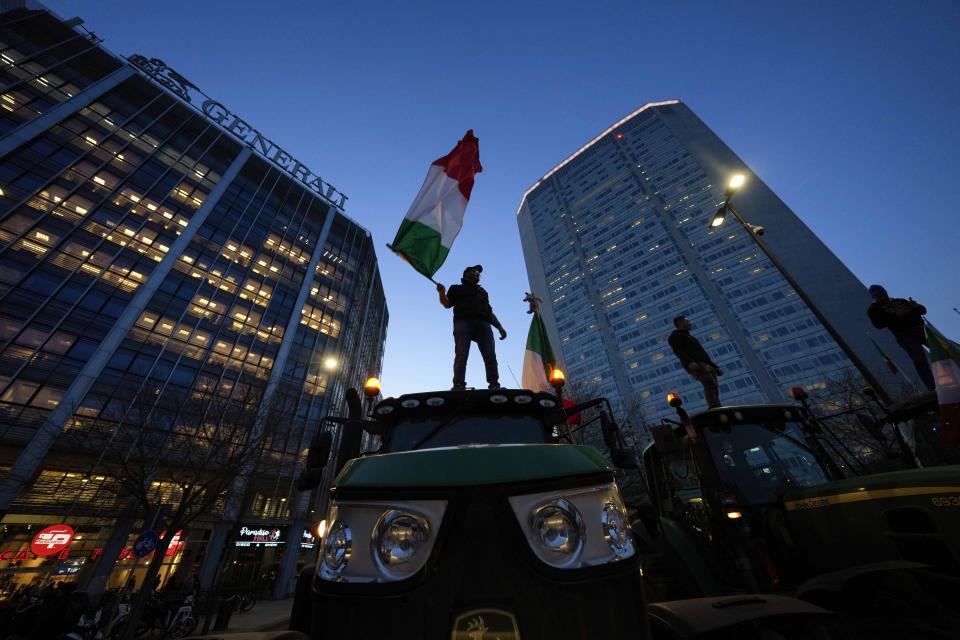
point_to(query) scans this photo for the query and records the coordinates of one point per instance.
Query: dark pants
(913, 345)
(479, 331)
(707, 376)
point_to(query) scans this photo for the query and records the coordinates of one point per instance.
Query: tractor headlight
(337, 547)
(558, 531)
(398, 539)
(576, 528)
(400, 534)
(616, 529)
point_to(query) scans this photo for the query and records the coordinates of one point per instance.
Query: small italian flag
(538, 361)
(436, 215)
(945, 362)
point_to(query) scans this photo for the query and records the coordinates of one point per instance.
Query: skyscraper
(160, 255)
(617, 242)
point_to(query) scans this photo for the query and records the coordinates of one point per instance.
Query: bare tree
(176, 452)
(855, 433)
(632, 425)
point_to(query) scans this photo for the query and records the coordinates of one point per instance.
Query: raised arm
(444, 300)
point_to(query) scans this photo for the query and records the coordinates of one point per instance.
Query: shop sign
(52, 540)
(259, 537)
(307, 541)
(145, 543)
(62, 553)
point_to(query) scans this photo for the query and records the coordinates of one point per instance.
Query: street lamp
(756, 231)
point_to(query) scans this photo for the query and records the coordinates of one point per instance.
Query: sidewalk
(266, 615)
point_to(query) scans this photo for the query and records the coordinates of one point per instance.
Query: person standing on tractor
(473, 319)
(695, 360)
(904, 319)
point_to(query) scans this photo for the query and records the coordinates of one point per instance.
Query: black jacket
(688, 349)
(902, 317)
(470, 301)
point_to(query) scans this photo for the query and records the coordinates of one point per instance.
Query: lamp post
(757, 231)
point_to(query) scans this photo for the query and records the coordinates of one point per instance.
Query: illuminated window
(19, 392)
(47, 398)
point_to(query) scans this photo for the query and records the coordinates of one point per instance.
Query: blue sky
(848, 110)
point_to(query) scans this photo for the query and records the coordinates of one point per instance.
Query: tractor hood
(911, 515)
(472, 465)
(915, 483)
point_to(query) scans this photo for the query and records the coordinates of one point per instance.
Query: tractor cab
(467, 515)
(747, 498)
(717, 481)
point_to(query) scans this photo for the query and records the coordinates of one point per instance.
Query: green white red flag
(436, 215)
(538, 360)
(945, 363)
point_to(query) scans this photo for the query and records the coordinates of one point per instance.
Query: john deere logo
(485, 624)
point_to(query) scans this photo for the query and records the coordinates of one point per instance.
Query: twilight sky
(847, 110)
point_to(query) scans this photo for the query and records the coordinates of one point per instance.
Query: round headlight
(557, 529)
(498, 399)
(410, 403)
(616, 530)
(547, 404)
(397, 540)
(434, 402)
(337, 546)
(383, 410)
(522, 399)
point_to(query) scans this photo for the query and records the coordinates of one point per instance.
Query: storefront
(44, 551)
(258, 552)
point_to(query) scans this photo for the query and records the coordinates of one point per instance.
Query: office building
(617, 242)
(160, 256)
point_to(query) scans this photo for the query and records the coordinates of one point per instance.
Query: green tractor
(746, 498)
(478, 519)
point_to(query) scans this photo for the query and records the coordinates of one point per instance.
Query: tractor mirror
(351, 441)
(608, 428)
(664, 439)
(309, 479)
(623, 458)
(354, 406)
(319, 452)
(317, 456)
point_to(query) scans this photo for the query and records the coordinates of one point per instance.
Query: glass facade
(146, 256)
(617, 242)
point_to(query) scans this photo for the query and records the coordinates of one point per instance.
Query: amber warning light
(371, 388)
(557, 379)
(673, 399)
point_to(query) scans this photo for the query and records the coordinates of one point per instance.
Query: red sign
(52, 540)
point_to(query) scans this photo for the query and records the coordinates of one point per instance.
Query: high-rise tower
(617, 242)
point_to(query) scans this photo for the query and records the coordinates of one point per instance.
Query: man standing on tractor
(695, 360)
(473, 318)
(904, 319)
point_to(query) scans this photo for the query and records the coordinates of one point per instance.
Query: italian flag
(538, 361)
(436, 215)
(945, 362)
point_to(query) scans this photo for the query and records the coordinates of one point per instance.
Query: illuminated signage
(49, 543)
(263, 146)
(259, 537)
(307, 541)
(52, 540)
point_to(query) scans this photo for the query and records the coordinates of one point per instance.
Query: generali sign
(263, 146)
